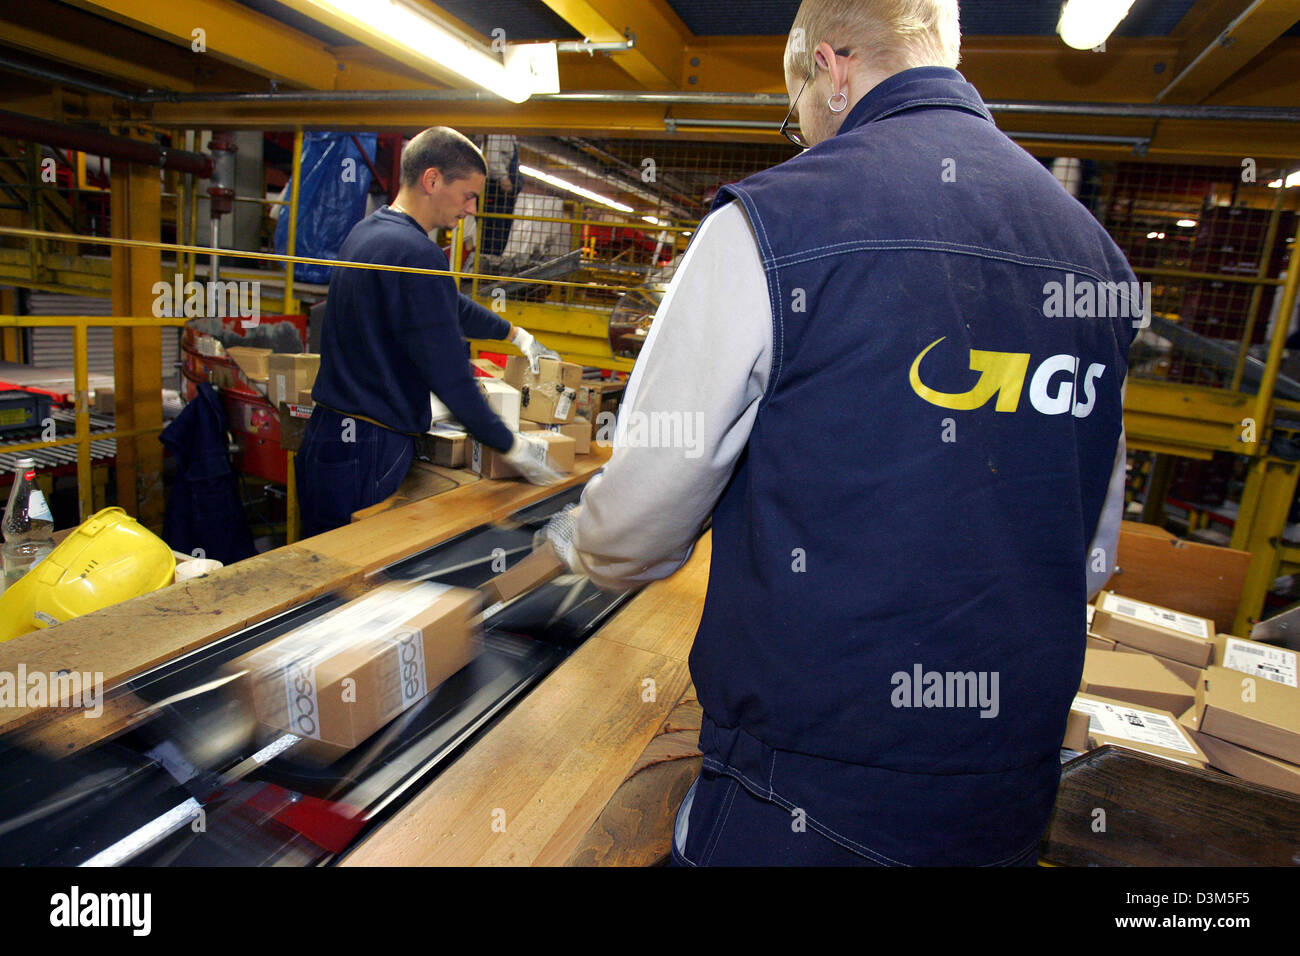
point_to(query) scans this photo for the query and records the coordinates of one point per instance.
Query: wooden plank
(636, 826)
(532, 787)
(1157, 813)
(1199, 579)
(549, 769)
(665, 617)
(121, 641)
(400, 532)
(422, 481)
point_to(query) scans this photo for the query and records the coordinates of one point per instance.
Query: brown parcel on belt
(450, 447)
(579, 430)
(338, 679)
(489, 463)
(1076, 731)
(1252, 712)
(1154, 629)
(1252, 657)
(1137, 679)
(1186, 673)
(1150, 731)
(550, 396)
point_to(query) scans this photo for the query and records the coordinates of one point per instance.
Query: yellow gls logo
(1003, 374)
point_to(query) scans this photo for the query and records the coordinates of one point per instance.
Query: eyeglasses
(796, 136)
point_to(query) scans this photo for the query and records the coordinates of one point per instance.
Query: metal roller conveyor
(192, 779)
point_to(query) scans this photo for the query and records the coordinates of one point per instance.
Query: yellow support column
(1265, 502)
(137, 361)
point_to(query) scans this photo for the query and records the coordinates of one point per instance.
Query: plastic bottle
(28, 525)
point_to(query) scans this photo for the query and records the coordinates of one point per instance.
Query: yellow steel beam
(49, 30)
(579, 334)
(1240, 41)
(137, 369)
(1265, 503)
(656, 61)
(232, 32)
(1164, 414)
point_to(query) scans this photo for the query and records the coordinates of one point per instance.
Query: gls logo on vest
(1003, 374)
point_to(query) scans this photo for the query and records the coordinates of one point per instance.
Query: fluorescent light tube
(567, 186)
(422, 38)
(1085, 24)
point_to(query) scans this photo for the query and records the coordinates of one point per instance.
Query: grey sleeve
(1103, 550)
(687, 415)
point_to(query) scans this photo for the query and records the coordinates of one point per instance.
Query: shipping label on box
(1157, 630)
(1262, 660)
(1117, 721)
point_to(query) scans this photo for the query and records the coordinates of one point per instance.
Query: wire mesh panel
(1213, 246)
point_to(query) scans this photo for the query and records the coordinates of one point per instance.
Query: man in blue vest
(391, 338)
(912, 452)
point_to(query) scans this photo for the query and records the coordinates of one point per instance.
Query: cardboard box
(503, 399)
(1186, 673)
(1146, 730)
(550, 396)
(579, 430)
(537, 568)
(488, 367)
(289, 374)
(1251, 657)
(450, 447)
(1154, 629)
(549, 372)
(338, 679)
(1249, 765)
(1076, 731)
(1255, 713)
(1137, 679)
(547, 404)
(304, 397)
(489, 463)
(600, 398)
(104, 401)
(1096, 643)
(254, 363)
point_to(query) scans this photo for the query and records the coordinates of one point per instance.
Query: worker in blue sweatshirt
(391, 338)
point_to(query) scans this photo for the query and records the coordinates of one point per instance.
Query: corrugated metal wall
(52, 348)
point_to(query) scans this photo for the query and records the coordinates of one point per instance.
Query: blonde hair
(887, 35)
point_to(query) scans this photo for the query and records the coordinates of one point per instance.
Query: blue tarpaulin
(335, 183)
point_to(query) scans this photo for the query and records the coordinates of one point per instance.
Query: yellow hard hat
(110, 558)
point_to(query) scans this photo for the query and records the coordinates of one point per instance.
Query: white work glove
(562, 532)
(533, 350)
(528, 457)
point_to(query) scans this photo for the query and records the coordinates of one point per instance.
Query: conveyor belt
(136, 798)
(66, 424)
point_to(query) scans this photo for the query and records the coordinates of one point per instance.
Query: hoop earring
(844, 102)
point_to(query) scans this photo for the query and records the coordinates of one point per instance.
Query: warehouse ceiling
(106, 61)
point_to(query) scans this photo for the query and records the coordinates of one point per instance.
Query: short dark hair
(444, 149)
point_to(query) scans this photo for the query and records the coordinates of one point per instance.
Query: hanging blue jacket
(204, 511)
(894, 625)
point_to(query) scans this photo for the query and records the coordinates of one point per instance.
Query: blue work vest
(898, 571)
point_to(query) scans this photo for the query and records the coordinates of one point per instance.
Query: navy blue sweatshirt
(391, 338)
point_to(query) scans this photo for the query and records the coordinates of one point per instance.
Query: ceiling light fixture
(567, 186)
(1085, 24)
(411, 36)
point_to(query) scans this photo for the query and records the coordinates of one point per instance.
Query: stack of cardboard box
(1165, 683)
